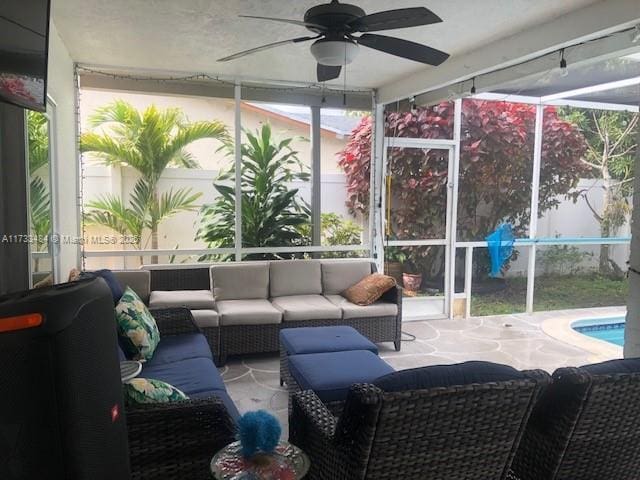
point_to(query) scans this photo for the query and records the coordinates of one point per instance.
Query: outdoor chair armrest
(393, 295)
(174, 321)
(308, 412)
(177, 439)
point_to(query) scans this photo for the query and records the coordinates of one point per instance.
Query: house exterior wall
(201, 108)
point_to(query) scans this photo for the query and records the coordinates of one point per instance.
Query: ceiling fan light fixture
(334, 53)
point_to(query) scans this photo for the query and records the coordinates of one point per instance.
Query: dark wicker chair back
(466, 432)
(196, 278)
(177, 440)
(584, 427)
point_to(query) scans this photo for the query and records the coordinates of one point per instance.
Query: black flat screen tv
(24, 44)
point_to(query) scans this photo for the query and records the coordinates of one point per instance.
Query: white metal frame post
(238, 170)
(54, 183)
(535, 196)
(468, 280)
(453, 189)
(632, 328)
(376, 193)
(316, 176)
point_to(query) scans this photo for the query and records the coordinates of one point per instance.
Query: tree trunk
(154, 242)
(154, 228)
(605, 230)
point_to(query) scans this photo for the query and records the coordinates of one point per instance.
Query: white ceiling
(189, 35)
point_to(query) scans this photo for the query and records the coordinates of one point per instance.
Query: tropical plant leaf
(38, 141)
(40, 203)
(148, 141)
(109, 211)
(273, 214)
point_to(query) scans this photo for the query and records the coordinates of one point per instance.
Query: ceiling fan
(335, 25)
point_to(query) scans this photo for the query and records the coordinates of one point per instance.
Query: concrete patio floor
(518, 340)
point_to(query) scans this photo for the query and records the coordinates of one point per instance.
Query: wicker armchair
(585, 427)
(465, 433)
(177, 440)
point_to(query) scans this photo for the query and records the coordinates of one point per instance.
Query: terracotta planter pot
(412, 281)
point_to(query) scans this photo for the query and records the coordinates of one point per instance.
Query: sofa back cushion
(612, 367)
(176, 277)
(339, 275)
(240, 281)
(295, 277)
(138, 280)
(447, 376)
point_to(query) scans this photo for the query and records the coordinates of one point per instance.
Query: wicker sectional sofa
(241, 307)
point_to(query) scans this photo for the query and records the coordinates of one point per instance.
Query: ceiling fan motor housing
(334, 16)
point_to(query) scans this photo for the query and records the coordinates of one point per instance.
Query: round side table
(288, 462)
(129, 369)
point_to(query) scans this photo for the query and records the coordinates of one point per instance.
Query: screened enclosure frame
(315, 99)
(532, 241)
(52, 252)
(374, 245)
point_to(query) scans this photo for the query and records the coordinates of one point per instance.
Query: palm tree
(38, 135)
(39, 197)
(148, 141)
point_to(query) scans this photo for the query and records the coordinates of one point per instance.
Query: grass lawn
(552, 293)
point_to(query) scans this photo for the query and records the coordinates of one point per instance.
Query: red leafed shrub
(496, 167)
(496, 163)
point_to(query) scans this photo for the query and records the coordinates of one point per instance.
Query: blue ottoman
(330, 375)
(305, 340)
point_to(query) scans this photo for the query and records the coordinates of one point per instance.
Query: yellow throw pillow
(369, 289)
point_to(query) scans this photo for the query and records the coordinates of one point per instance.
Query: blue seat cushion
(627, 365)
(121, 356)
(447, 376)
(304, 340)
(112, 282)
(192, 376)
(226, 399)
(173, 348)
(330, 375)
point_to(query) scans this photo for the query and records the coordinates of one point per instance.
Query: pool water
(608, 329)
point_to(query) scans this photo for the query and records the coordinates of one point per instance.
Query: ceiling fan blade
(391, 19)
(326, 73)
(265, 47)
(314, 26)
(403, 48)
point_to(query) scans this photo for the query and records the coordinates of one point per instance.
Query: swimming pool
(608, 329)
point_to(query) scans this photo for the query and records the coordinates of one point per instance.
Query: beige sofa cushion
(248, 312)
(238, 281)
(138, 280)
(192, 299)
(351, 310)
(206, 318)
(338, 275)
(295, 277)
(306, 307)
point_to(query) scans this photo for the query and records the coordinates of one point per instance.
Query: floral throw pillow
(145, 390)
(136, 326)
